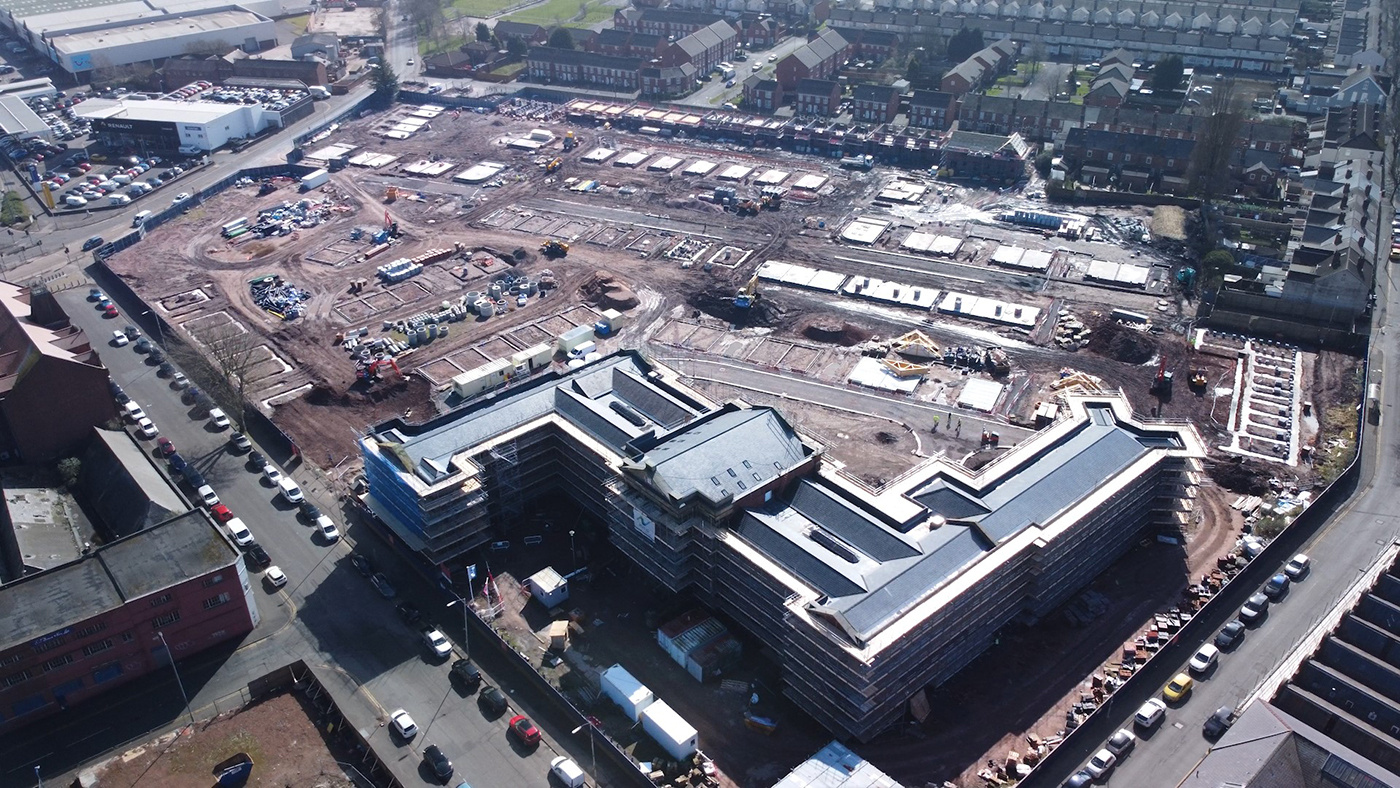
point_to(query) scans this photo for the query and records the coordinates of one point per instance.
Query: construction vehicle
(371, 372)
(391, 194)
(748, 295)
(569, 142)
(1198, 379)
(553, 165)
(746, 208)
(1162, 381)
(553, 249)
(266, 187)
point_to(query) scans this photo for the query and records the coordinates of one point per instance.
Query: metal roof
(727, 454)
(17, 118)
(835, 766)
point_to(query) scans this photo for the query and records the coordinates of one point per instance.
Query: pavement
(327, 615)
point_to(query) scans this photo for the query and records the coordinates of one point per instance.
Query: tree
(515, 46)
(483, 33)
(1167, 74)
(386, 84)
(1209, 171)
(1072, 80)
(1037, 56)
(69, 469)
(965, 43)
(560, 38)
(235, 351)
(1217, 262)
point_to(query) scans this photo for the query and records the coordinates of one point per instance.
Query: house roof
(679, 16)
(508, 29)
(579, 57)
(1124, 142)
(22, 340)
(878, 93)
(931, 98)
(817, 87)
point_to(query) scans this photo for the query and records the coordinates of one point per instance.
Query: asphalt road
(1341, 549)
(327, 615)
(714, 94)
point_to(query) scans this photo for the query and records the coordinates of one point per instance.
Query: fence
(460, 102)
(1147, 681)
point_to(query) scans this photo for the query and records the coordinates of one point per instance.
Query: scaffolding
(505, 468)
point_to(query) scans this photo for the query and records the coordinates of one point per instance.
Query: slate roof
(507, 29)
(880, 94)
(730, 453)
(931, 98)
(817, 87)
(579, 57)
(973, 141)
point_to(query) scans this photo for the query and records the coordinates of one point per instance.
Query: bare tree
(1216, 142)
(234, 351)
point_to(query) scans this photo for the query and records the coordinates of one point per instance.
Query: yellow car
(1179, 687)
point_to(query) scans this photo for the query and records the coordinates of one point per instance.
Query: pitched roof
(877, 93)
(931, 98)
(506, 29)
(817, 87)
(21, 339)
(730, 453)
(579, 57)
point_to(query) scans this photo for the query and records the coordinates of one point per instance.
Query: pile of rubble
(1071, 333)
(276, 297)
(291, 216)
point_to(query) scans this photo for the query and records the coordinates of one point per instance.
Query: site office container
(676, 736)
(626, 691)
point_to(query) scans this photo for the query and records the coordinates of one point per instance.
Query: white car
(1297, 566)
(1150, 713)
(1121, 742)
(1100, 764)
(437, 642)
(179, 381)
(147, 428)
(179, 198)
(327, 528)
(403, 724)
(271, 473)
(240, 533)
(275, 576)
(119, 339)
(207, 495)
(218, 419)
(1204, 658)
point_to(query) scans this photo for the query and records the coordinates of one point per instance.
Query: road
(326, 615)
(1341, 549)
(714, 94)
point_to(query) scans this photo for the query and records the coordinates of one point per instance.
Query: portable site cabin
(626, 691)
(573, 338)
(676, 736)
(548, 587)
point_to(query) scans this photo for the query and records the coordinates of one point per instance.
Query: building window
(17, 678)
(165, 620)
(1127, 158)
(160, 600)
(127, 637)
(97, 648)
(213, 581)
(91, 629)
(214, 601)
(57, 662)
(12, 659)
(51, 644)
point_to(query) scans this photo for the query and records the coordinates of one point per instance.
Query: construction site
(891, 315)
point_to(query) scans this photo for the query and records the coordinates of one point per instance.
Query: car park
(436, 642)
(403, 724)
(1178, 688)
(524, 730)
(1297, 567)
(275, 576)
(1276, 587)
(1121, 742)
(1204, 658)
(438, 762)
(492, 700)
(1231, 634)
(240, 533)
(1255, 609)
(1102, 763)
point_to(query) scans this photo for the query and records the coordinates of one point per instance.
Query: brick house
(547, 65)
(660, 81)
(1103, 156)
(705, 48)
(876, 45)
(981, 69)
(762, 95)
(820, 58)
(449, 64)
(818, 98)
(932, 109)
(530, 34)
(759, 31)
(1111, 86)
(626, 43)
(664, 22)
(992, 156)
(875, 103)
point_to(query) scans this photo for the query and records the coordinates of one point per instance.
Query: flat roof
(17, 118)
(157, 29)
(158, 557)
(836, 766)
(159, 110)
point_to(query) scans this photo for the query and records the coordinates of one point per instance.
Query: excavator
(553, 165)
(370, 372)
(553, 249)
(748, 295)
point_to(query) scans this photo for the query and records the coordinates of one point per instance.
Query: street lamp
(573, 556)
(466, 630)
(173, 667)
(592, 745)
(160, 332)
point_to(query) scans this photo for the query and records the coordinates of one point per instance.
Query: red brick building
(819, 58)
(932, 109)
(762, 95)
(664, 22)
(79, 629)
(661, 81)
(817, 98)
(876, 45)
(875, 103)
(626, 43)
(53, 386)
(705, 48)
(551, 66)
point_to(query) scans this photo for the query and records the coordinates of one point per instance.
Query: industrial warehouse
(166, 125)
(895, 591)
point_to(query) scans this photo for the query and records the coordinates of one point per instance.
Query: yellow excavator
(554, 249)
(748, 295)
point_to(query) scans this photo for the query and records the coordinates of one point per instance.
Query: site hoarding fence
(1148, 681)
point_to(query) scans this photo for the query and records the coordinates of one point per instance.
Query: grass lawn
(510, 69)
(298, 23)
(560, 11)
(448, 43)
(480, 8)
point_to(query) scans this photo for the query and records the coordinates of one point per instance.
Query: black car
(256, 460)
(441, 766)
(193, 477)
(189, 397)
(143, 345)
(493, 700)
(156, 356)
(92, 243)
(166, 370)
(309, 510)
(408, 613)
(361, 564)
(177, 463)
(464, 671)
(257, 556)
(1219, 722)
(1231, 634)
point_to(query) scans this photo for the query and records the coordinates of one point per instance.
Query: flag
(471, 572)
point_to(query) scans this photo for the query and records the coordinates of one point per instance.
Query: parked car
(464, 671)
(221, 512)
(119, 339)
(179, 381)
(255, 556)
(1255, 609)
(1099, 765)
(524, 730)
(437, 642)
(403, 724)
(1178, 688)
(275, 576)
(240, 441)
(381, 584)
(1297, 567)
(176, 462)
(167, 447)
(256, 460)
(1219, 722)
(1121, 742)
(566, 772)
(272, 474)
(327, 528)
(492, 700)
(361, 564)
(218, 419)
(240, 533)
(309, 510)
(147, 428)
(1277, 586)
(142, 345)
(1204, 658)
(207, 495)
(438, 762)
(1231, 634)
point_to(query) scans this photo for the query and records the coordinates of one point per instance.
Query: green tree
(386, 84)
(1072, 80)
(515, 45)
(69, 468)
(1217, 262)
(483, 33)
(560, 38)
(965, 43)
(914, 72)
(1167, 74)
(1216, 141)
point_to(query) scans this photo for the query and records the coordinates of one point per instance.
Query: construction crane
(748, 295)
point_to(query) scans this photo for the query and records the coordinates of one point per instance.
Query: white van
(584, 349)
(133, 411)
(74, 201)
(567, 772)
(118, 199)
(289, 489)
(189, 150)
(140, 218)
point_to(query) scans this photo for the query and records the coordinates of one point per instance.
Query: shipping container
(676, 736)
(315, 179)
(626, 691)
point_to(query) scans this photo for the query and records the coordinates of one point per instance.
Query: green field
(553, 12)
(480, 8)
(297, 23)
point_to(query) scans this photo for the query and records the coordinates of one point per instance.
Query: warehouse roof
(158, 110)
(158, 29)
(17, 118)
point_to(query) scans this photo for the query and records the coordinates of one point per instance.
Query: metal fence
(1081, 742)
(460, 102)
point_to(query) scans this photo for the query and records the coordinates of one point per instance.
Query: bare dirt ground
(286, 747)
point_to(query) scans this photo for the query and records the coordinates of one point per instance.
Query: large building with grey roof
(867, 597)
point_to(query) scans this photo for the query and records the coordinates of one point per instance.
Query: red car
(221, 513)
(166, 447)
(111, 311)
(524, 730)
